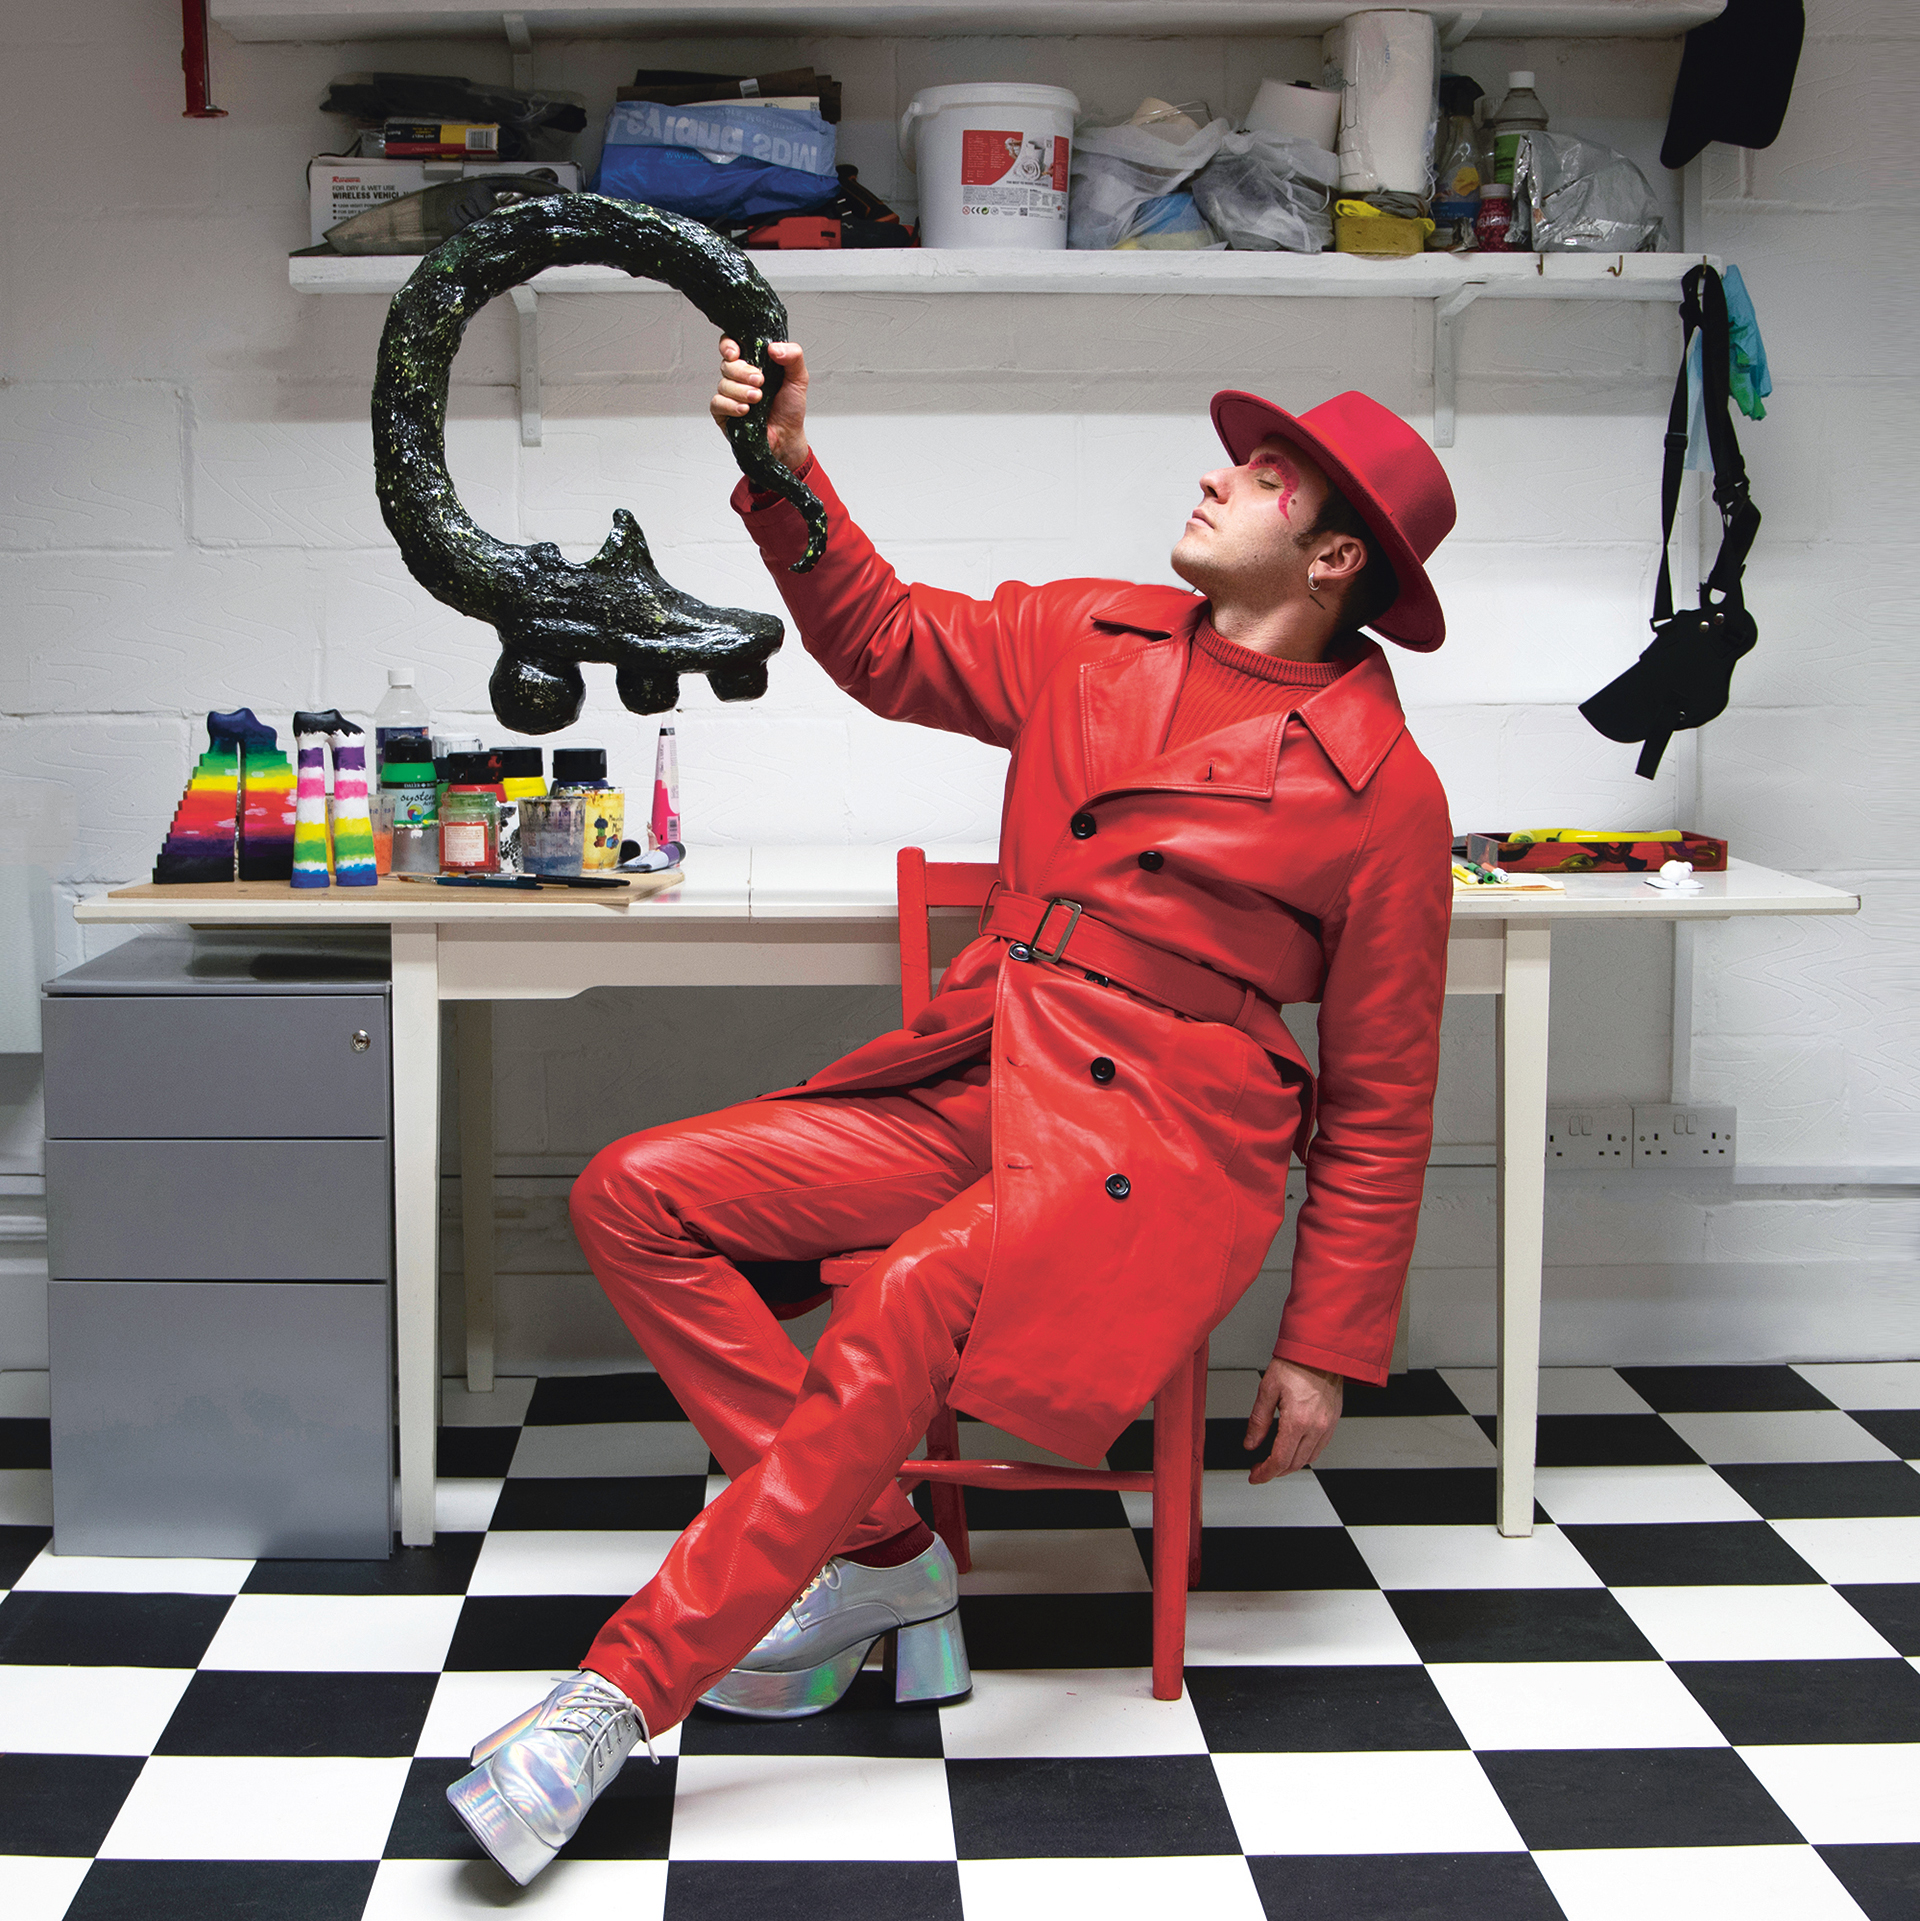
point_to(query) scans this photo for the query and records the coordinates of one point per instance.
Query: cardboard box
(338, 186)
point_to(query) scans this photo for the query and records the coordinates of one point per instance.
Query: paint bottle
(665, 823)
(1520, 112)
(583, 771)
(470, 817)
(445, 746)
(401, 714)
(521, 775)
(407, 779)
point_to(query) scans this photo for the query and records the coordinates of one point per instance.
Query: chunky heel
(497, 1827)
(765, 1696)
(930, 1663)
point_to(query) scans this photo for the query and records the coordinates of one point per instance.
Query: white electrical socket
(1683, 1137)
(1590, 1137)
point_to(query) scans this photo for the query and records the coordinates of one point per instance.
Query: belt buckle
(1032, 942)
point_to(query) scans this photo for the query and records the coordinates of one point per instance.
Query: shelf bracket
(1463, 23)
(1446, 356)
(520, 44)
(526, 305)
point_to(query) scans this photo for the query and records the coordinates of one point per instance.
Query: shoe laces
(828, 1577)
(593, 1712)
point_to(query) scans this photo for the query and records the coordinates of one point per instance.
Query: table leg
(1520, 1054)
(474, 1048)
(416, 1216)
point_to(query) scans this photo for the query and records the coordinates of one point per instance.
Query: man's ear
(1341, 559)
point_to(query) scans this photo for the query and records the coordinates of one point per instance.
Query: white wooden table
(825, 916)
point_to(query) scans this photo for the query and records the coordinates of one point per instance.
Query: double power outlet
(1638, 1139)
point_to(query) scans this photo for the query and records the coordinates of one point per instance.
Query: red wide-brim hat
(1392, 477)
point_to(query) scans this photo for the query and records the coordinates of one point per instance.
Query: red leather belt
(1063, 931)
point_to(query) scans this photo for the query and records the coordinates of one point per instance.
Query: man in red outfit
(1072, 1163)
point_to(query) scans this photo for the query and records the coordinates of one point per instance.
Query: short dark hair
(1376, 586)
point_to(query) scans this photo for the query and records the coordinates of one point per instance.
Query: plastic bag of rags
(1117, 170)
(723, 161)
(1576, 196)
(1261, 192)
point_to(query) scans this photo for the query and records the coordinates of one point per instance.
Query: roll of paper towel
(1296, 112)
(1386, 64)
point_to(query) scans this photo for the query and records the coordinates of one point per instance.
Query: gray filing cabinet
(220, 1248)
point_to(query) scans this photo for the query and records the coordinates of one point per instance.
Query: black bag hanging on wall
(1684, 677)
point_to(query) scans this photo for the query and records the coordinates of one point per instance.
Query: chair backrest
(925, 884)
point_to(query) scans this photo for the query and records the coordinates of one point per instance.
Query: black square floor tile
(573, 1400)
(444, 1568)
(1722, 1390)
(1129, 1805)
(1044, 1508)
(656, 1501)
(1894, 1427)
(1891, 1606)
(108, 1630)
(475, 1453)
(1884, 1881)
(230, 1890)
(530, 1631)
(1238, 1560)
(1603, 1440)
(61, 1803)
(1784, 1491)
(631, 1821)
(299, 1714)
(1402, 1887)
(1775, 1703)
(1690, 1554)
(1058, 1630)
(865, 1722)
(25, 1443)
(1412, 1496)
(1637, 1798)
(1330, 1710)
(1519, 1624)
(1419, 1391)
(18, 1547)
(803, 1890)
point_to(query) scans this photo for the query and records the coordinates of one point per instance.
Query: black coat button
(1102, 1069)
(1153, 860)
(1083, 826)
(1119, 1186)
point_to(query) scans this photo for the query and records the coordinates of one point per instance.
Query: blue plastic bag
(725, 162)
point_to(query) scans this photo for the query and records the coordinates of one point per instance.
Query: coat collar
(1125, 710)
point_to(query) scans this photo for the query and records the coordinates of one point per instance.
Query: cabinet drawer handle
(362, 1040)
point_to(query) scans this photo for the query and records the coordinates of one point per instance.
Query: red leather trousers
(812, 1447)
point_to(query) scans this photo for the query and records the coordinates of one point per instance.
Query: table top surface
(856, 884)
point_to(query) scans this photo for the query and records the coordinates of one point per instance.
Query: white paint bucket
(992, 161)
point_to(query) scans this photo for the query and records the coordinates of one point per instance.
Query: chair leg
(1173, 1479)
(949, 1502)
(1199, 1463)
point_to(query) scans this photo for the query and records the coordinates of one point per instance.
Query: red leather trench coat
(1306, 856)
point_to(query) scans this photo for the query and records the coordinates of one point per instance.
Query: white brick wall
(187, 520)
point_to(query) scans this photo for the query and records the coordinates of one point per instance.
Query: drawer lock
(362, 1040)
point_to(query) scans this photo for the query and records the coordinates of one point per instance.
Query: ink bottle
(583, 771)
(469, 817)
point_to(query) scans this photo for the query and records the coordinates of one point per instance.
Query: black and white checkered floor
(1693, 1692)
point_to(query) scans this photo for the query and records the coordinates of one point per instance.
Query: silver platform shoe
(806, 1661)
(541, 1773)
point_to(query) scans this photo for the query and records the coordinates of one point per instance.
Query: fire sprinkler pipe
(195, 62)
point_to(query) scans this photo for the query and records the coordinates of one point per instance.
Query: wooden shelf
(1159, 19)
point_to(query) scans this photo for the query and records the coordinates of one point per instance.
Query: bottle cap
(520, 763)
(471, 770)
(414, 752)
(1517, 81)
(574, 765)
(399, 676)
(1496, 190)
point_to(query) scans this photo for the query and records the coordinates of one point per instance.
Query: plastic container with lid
(1520, 112)
(407, 779)
(579, 768)
(1492, 225)
(993, 160)
(470, 816)
(401, 713)
(583, 771)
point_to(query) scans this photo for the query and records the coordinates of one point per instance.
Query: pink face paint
(1284, 472)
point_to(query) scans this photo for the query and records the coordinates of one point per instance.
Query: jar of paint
(470, 817)
(582, 771)
(408, 778)
(1492, 223)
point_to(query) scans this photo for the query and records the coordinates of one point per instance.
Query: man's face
(1240, 538)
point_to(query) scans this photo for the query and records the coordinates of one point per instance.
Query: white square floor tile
(1572, 1704)
(24, 1396)
(1621, 1496)
(1374, 1803)
(1750, 1624)
(1844, 1794)
(1409, 1440)
(189, 1807)
(1042, 1713)
(570, 1560)
(506, 1406)
(1864, 1384)
(440, 1890)
(1563, 1390)
(469, 1706)
(336, 1633)
(1229, 1499)
(1475, 1557)
(1695, 1884)
(1089, 1560)
(72, 1710)
(26, 1497)
(40, 1887)
(1782, 1434)
(1219, 1887)
(459, 1506)
(130, 1574)
(717, 1485)
(609, 1447)
(737, 1807)
(1322, 1627)
(1879, 1547)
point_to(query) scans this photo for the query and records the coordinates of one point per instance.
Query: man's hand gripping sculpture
(1071, 1164)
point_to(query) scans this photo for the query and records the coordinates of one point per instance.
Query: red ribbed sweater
(1227, 682)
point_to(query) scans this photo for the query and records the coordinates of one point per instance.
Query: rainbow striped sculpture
(331, 848)
(235, 819)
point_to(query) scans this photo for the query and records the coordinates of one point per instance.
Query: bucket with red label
(992, 161)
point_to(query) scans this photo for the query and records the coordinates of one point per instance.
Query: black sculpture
(552, 614)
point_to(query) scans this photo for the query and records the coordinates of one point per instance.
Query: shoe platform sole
(929, 1667)
(500, 1831)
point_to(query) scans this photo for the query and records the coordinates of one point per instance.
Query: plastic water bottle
(1520, 112)
(401, 712)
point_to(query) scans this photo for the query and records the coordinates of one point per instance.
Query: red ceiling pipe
(194, 62)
